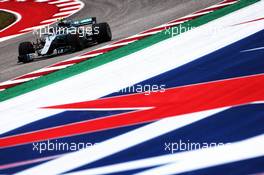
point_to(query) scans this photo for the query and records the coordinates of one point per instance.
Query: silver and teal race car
(65, 37)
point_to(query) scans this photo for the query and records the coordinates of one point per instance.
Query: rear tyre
(24, 49)
(102, 32)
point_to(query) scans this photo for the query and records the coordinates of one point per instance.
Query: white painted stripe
(66, 13)
(172, 24)
(215, 156)
(148, 33)
(81, 57)
(67, 4)
(115, 45)
(116, 144)
(127, 166)
(16, 81)
(9, 82)
(10, 37)
(42, 0)
(50, 20)
(133, 38)
(255, 49)
(220, 5)
(110, 109)
(89, 55)
(198, 14)
(59, 1)
(50, 69)
(258, 102)
(226, 3)
(69, 8)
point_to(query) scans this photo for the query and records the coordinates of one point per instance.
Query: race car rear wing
(83, 22)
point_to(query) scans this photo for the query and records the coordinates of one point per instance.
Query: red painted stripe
(52, 1)
(164, 28)
(211, 9)
(230, 91)
(182, 19)
(103, 50)
(35, 74)
(159, 29)
(9, 85)
(228, 1)
(129, 39)
(62, 16)
(255, 20)
(69, 62)
(171, 22)
(172, 102)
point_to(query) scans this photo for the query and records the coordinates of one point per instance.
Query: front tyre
(25, 50)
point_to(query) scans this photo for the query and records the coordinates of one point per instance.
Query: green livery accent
(83, 22)
(115, 54)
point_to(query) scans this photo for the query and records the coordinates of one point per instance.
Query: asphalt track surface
(126, 18)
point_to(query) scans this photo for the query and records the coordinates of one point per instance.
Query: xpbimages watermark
(204, 31)
(173, 147)
(48, 145)
(177, 30)
(147, 89)
(82, 31)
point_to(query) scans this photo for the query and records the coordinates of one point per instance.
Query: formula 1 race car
(66, 36)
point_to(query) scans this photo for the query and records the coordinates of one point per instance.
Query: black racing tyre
(25, 48)
(75, 42)
(102, 32)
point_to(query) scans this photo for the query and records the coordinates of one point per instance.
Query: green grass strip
(6, 19)
(115, 54)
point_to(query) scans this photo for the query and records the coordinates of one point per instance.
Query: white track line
(50, 69)
(83, 56)
(59, 1)
(42, 0)
(68, 4)
(50, 20)
(69, 8)
(17, 81)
